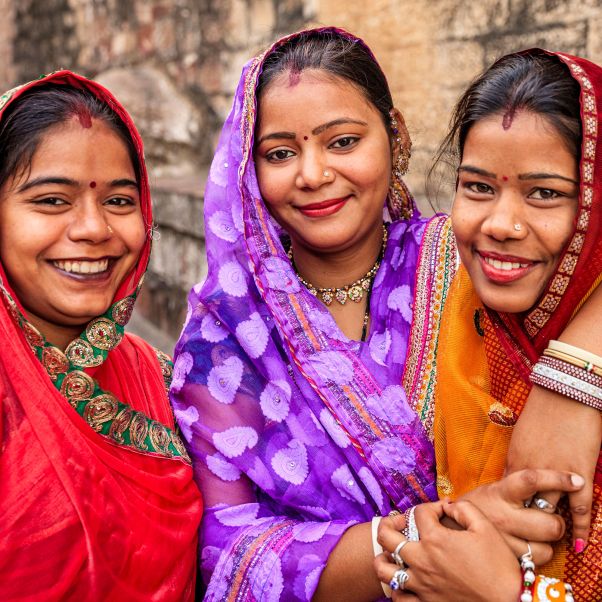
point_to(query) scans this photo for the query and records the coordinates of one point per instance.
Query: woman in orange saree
(97, 500)
(529, 235)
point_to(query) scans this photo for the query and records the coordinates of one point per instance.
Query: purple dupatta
(296, 432)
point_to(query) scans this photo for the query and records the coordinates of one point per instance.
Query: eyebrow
(45, 180)
(315, 131)
(546, 176)
(526, 176)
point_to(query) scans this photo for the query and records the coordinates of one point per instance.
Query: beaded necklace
(354, 291)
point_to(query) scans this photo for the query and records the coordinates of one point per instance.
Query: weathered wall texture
(175, 63)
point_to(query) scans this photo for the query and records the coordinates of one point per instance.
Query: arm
(572, 431)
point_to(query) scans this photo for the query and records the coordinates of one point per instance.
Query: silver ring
(396, 557)
(528, 555)
(399, 580)
(543, 504)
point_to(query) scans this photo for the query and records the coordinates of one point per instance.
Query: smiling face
(323, 159)
(71, 227)
(515, 208)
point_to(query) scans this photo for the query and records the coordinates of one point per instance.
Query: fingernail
(579, 545)
(577, 480)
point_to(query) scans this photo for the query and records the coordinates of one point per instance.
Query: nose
(89, 222)
(313, 170)
(506, 219)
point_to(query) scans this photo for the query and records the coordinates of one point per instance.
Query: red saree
(97, 500)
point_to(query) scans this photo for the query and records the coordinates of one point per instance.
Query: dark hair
(533, 81)
(30, 116)
(339, 55)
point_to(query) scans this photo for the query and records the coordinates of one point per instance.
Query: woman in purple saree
(298, 423)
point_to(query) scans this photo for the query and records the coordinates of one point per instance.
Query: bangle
(565, 378)
(589, 361)
(378, 549)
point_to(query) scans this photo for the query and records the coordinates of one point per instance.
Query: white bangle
(378, 549)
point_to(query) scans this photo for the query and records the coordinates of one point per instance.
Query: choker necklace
(354, 291)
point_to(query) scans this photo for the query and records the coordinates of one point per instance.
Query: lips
(323, 208)
(85, 269)
(504, 268)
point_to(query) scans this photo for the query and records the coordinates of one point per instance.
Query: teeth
(504, 265)
(82, 267)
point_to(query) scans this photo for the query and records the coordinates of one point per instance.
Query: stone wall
(175, 63)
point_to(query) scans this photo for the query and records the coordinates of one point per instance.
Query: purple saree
(296, 432)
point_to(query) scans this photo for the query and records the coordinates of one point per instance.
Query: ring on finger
(542, 504)
(396, 554)
(399, 580)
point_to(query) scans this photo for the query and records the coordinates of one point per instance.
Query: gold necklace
(354, 291)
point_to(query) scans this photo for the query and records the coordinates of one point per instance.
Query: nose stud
(518, 227)
(326, 173)
(109, 229)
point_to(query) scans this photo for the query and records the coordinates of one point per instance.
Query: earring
(401, 204)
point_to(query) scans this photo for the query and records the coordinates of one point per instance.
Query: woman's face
(515, 208)
(71, 227)
(323, 160)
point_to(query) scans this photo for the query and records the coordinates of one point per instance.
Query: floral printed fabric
(296, 432)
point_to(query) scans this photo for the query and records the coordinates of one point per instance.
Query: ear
(402, 134)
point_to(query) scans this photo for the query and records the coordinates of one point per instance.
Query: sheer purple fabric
(296, 432)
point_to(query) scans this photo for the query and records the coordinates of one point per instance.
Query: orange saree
(468, 367)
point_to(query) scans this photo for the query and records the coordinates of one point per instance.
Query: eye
(345, 142)
(120, 201)
(543, 194)
(478, 187)
(279, 155)
(50, 201)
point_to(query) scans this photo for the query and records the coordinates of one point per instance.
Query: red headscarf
(97, 500)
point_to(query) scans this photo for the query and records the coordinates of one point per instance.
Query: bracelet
(589, 361)
(565, 378)
(410, 530)
(534, 586)
(378, 549)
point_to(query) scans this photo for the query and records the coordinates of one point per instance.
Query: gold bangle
(577, 353)
(569, 359)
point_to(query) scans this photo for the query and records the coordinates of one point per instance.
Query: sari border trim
(437, 266)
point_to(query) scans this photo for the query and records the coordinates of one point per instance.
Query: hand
(572, 433)
(503, 504)
(473, 565)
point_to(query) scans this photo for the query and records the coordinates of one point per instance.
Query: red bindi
(305, 138)
(92, 184)
(505, 178)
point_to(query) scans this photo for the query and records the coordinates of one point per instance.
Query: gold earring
(401, 204)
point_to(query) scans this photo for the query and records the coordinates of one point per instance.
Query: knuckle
(580, 509)
(529, 476)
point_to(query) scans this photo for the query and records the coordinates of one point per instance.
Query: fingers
(524, 484)
(466, 514)
(581, 511)
(541, 552)
(385, 571)
(533, 524)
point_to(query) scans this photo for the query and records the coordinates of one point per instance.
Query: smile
(323, 208)
(504, 265)
(503, 270)
(82, 266)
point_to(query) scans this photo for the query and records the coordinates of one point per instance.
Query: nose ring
(518, 227)
(109, 229)
(326, 173)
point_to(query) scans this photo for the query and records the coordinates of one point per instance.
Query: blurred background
(175, 63)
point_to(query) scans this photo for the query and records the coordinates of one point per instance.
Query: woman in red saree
(97, 500)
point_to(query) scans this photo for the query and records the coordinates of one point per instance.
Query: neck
(325, 269)
(58, 335)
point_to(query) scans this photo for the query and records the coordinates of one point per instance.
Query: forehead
(312, 96)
